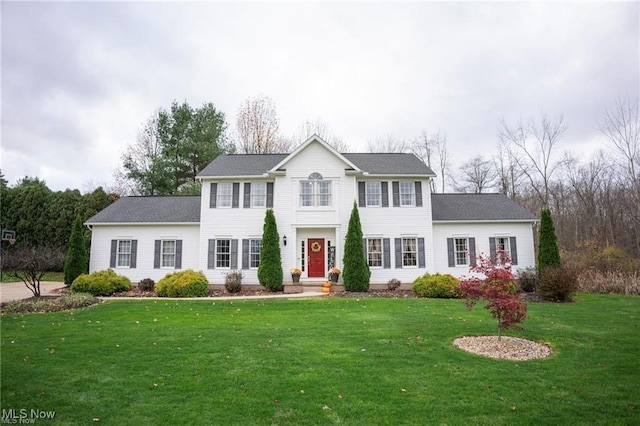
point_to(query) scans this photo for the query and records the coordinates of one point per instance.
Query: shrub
(46, 304)
(594, 281)
(270, 269)
(101, 283)
(77, 260)
(146, 284)
(436, 285)
(558, 284)
(187, 283)
(393, 284)
(548, 253)
(356, 274)
(233, 281)
(528, 280)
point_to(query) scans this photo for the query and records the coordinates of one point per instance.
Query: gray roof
(258, 164)
(160, 209)
(473, 207)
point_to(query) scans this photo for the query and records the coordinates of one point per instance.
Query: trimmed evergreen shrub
(558, 284)
(77, 262)
(270, 269)
(548, 253)
(188, 283)
(356, 273)
(101, 283)
(233, 281)
(438, 285)
(393, 284)
(528, 280)
(146, 284)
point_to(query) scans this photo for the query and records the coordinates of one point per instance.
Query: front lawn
(320, 361)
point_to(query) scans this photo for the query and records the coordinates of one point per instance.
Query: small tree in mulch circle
(496, 286)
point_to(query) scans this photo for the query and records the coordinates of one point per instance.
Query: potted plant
(295, 274)
(334, 273)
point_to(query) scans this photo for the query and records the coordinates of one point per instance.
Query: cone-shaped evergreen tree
(548, 254)
(356, 273)
(270, 268)
(77, 260)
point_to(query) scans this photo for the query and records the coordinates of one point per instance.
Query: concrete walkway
(16, 291)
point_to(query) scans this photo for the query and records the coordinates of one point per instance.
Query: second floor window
(407, 193)
(225, 194)
(373, 194)
(315, 192)
(258, 194)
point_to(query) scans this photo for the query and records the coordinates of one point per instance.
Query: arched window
(315, 191)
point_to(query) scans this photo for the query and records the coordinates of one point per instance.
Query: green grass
(320, 361)
(49, 276)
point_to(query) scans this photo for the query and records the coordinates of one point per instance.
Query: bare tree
(509, 175)
(321, 129)
(476, 175)
(432, 149)
(388, 143)
(258, 128)
(30, 264)
(534, 144)
(440, 143)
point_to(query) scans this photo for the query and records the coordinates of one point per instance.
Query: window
(502, 245)
(315, 192)
(255, 246)
(225, 194)
(373, 194)
(374, 252)
(223, 253)
(407, 194)
(409, 252)
(168, 253)
(461, 251)
(124, 254)
(258, 194)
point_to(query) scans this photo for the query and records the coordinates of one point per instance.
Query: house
(407, 230)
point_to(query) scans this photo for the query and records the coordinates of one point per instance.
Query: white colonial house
(407, 230)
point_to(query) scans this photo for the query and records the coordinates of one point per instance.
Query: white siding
(482, 232)
(145, 235)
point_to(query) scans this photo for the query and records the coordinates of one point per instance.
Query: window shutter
(245, 254)
(362, 197)
(156, 254)
(235, 201)
(384, 189)
(395, 186)
(421, 260)
(234, 254)
(364, 250)
(418, 194)
(178, 264)
(386, 253)
(270, 195)
(514, 251)
(134, 254)
(211, 255)
(114, 250)
(213, 194)
(398, 244)
(247, 195)
(492, 250)
(472, 251)
(450, 253)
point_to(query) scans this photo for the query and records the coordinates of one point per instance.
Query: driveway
(15, 291)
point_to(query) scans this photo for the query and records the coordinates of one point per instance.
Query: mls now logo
(24, 416)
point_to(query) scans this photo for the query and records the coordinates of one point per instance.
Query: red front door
(316, 257)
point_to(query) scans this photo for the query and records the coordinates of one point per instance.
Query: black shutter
(398, 244)
(114, 253)
(386, 253)
(362, 197)
(178, 264)
(395, 186)
(234, 254)
(245, 254)
(236, 195)
(385, 193)
(492, 250)
(472, 251)
(134, 254)
(269, 195)
(364, 250)
(514, 251)
(418, 194)
(156, 254)
(421, 256)
(211, 255)
(450, 253)
(213, 194)
(247, 195)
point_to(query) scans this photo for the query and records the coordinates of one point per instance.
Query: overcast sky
(79, 79)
